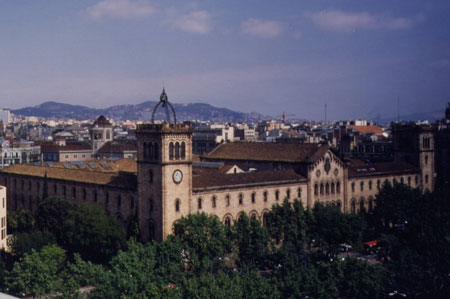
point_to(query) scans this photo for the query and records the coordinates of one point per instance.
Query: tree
(51, 214)
(204, 238)
(252, 241)
(37, 273)
(25, 242)
(93, 234)
(19, 221)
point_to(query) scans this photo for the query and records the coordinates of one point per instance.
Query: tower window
(265, 195)
(177, 151)
(171, 151)
(353, 187)
(338, 187)
(370, 185)
(155, 151)
(151, 207)
(253, 197)
(213, 201)
(177, 205)
(227, 199)
(150, 151)
(183, 150)
(426, 179)
(362, 186)
(426, 160)
(150, 176)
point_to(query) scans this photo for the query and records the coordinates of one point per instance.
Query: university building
(164, 183)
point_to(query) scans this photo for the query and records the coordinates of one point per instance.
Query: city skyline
(262, 56)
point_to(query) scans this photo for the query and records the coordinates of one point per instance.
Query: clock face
(177, 176)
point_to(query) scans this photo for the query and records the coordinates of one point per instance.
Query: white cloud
(127, 9)
(195, 22)
(262, 28)
(342, 21)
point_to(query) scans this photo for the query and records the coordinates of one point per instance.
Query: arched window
(378, 184)
(183, 150)
(150, 151)
(199, 203)
(362, 186)
(353, 187)
(177, 151)
(339, 204)
(426, 160)
(338, 187)
(265, 195)
(353, 206)
(401, 180)
(155, 151)
(227, 199)
(145, 150)
(299, 192)
(150, 176)
(370, 185)
(177, 205)
(253, 197)
(370, 204)
(327, 188)
(277, 195)
(361, 206)
(426, 179)
(228, 221)
(213, 201)
(321, 189)
(241, 198)
(316, 189)
(171, 151)
(332, 188)
(288, 193)
(253, 216)
(409, 181)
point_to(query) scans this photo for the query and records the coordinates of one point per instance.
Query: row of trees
(294, 256)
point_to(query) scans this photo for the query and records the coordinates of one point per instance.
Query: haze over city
(358, 57)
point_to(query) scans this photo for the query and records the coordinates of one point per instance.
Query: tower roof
(164, 102)
(102, 122)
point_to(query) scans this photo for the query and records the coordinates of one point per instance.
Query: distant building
(72, 151)
(101, 132)
(118, 150)
(3, 208)
(5, 115)
(18, 152)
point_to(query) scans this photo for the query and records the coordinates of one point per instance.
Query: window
(401, 180)
(155, 151)
(338, 187)
(288, 193)
(362, 186)
(95, 196)
(253, 197)
(151, 205)
(171, 151)
(150, 176)
(416, 179)
(409, 181)
(316, 189)
(277, 195)
(227, 199)
(213, 201)
(74, 192)
(66, 156)
(321, 189)
(353, 207)
(361, 206)
(228, 221)
(183, 150)
(426, 179)
(241, 198)
(265, 195)
(83, 156)
(332, 188)
(84, 194)
(353, 187)
(177, 151)
(426, 160)
(177, 205)
(370, 204)
(75, 156)
(327, 188)
(200, 203)
(299, 192)
(378, 184)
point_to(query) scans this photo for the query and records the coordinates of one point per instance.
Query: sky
(358, 57)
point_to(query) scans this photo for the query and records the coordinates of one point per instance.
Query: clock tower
(164, 179)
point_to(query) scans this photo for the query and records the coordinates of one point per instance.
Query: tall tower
(101, 132)
(164, 158)
(415, 144)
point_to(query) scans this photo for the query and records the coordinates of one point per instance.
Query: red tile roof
(266, 151)
(51, 147)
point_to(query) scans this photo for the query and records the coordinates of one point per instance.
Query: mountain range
(142, 111)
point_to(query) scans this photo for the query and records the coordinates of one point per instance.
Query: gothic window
(227, 199)
(177, 205)
(150, 151)
(253, 197)
(299, 193)
(316, 189)
(426, 160)
(200, 203)
(353, 187)
(353, 207)
(361, 206)
(145, 151)
(214, 201)
(370, 185)
(155, 151)
(241, 198)
(332, 188)
(362, 186)
(265, 195)
(253, 216)
(171, 151)
(321, 189)
(327, 188)
(177, 151)
(277, 195)
(183, 150)
(150, 176)
(288, 193)
(228, 221)
(338, 187)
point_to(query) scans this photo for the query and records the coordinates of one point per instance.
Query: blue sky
(270, 57)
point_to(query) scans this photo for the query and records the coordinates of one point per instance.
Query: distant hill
(143, 112)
